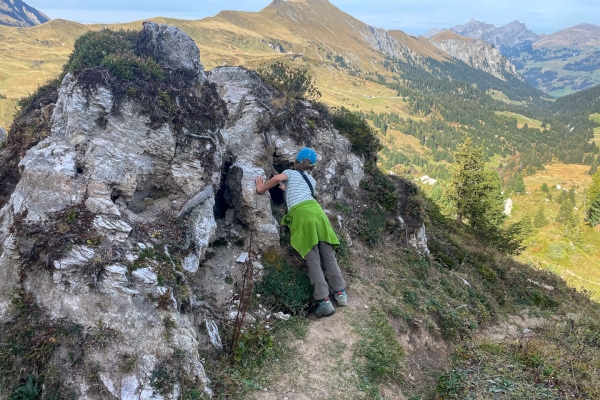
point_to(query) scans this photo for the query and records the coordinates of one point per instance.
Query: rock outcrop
(477, 54)
(109, 230)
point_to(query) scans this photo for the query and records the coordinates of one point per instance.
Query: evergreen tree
(565, 213)
(476, 191)
(539, 220)
(594, 213)
(519, 187)
(594, 189)
(545, 188)
(572, 196)
(562, 197)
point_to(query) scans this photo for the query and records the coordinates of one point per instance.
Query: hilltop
(18, 13)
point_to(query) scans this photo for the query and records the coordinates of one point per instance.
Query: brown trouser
(322, 254)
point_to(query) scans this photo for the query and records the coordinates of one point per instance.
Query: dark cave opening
(221, 196)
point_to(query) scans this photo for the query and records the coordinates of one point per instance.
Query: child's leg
(315, 273)
(330, 265)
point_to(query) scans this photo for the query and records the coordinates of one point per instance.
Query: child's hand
(260, 182)
(282, 186)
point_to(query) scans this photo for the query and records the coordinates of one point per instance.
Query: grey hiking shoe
(341, 298)
(324, 308)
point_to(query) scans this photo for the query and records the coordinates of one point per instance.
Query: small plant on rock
(29, 391)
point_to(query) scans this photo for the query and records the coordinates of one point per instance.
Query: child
(312, 235)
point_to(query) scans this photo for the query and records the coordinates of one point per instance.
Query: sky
(415, 17)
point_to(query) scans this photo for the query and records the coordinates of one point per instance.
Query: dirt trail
(323, 369)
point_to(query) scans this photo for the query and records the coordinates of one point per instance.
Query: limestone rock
(172, 47)
(115, 219)
(478, 54)
(104, 157)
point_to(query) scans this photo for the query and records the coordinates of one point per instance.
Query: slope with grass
(572, 253)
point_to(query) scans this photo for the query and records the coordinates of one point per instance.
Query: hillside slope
(345, 55)
(582, 35)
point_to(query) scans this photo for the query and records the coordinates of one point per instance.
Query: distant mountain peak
(18, 13)
(514, 34)
(477, 54)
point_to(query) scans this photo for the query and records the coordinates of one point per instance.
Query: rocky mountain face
(560, 63)
(477, 54)
(505, 38)
(109, 234)
(18, 13)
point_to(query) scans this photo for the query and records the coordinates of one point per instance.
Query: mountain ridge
(476, 53)
(514, 34)
(18, 13)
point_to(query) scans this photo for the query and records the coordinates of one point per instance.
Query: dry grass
(572, 255)
(31, 56)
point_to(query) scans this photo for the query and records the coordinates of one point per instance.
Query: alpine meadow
(152, 244)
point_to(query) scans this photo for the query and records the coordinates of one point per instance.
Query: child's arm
(262, 186)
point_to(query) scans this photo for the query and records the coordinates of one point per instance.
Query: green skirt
(308, 226)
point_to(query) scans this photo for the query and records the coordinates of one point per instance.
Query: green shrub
(29, 391)
(371, 225)
(254, 343)
(128, 66)
(450, 384)
(382, 190)
(364, 140)
(92, 48)
(296, 83)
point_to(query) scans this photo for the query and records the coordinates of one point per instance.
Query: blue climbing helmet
(307, 153)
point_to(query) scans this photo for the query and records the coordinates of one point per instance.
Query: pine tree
(565, 213)
(539, 220)
(572, 196)
(562, 197)
(594, 213)
(594, 188)
(477, 192)
(519, 185)
(545, 188)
